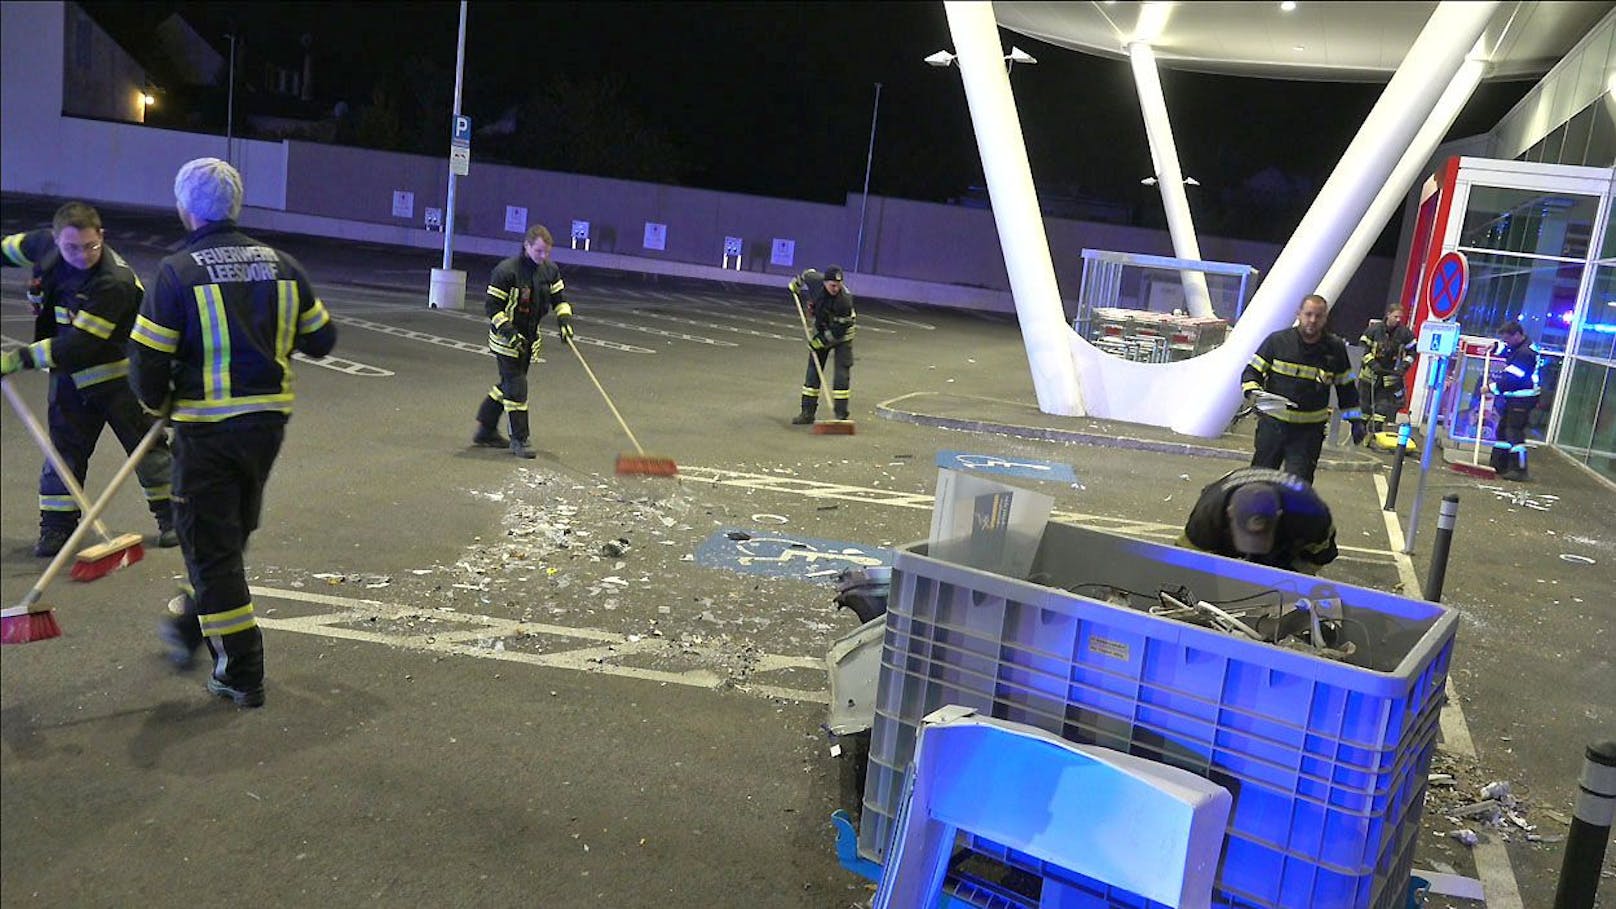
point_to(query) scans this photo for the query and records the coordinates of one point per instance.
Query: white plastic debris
(1465, 835)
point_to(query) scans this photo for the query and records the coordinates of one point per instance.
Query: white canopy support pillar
(1015, 206)
(1391, 195)
(1211, 397)
(1169, 174)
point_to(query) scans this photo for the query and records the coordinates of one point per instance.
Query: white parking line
(597, 658)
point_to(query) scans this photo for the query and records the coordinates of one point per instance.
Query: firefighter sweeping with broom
(85, 298)
(520, 291)
(830, 304)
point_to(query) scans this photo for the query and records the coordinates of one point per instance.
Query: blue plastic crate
(1326, 760)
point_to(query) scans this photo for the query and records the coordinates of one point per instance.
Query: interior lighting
(1289, 6)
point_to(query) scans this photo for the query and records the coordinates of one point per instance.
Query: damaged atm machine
(1260, 737)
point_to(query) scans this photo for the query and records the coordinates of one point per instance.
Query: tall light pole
(869, 158)
(230, 106)
(449, 207)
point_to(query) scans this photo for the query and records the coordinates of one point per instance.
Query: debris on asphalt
(1466, 836)
(615, 548)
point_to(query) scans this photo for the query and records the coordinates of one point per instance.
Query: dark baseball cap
(1253, 517)
(833, 273)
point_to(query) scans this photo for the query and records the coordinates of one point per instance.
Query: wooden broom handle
(620, 421)
(813, 355)
(51, 454)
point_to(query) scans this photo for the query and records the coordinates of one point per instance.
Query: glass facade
(1586, 428)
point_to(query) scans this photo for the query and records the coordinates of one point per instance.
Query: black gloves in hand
(564, 325)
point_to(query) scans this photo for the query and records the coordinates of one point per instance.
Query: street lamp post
(869, 158)
(230, 106)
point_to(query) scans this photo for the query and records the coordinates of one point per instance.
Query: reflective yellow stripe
(497, 293)
(216, 409)
(1258, 363)
(514, 406)
(57, 503)
(1301, 371)
(160, 493)
(40, 353)
(64, 316)
(501, 320)
(12, 247)
(839, 395)
(158, 337)
(1250, 386)
(498, 344)
(564, 309)
(558, 287)
(1301, 416)
(315, 319)
(810, 392)
(215, 343)
(91, 323)
(231, 621)
(104, 372)
(286, 300)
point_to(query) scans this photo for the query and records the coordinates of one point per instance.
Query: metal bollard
(1590, 828)
(1439, 549)
(1403, 432)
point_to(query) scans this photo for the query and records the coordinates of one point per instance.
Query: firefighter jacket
(834, 319)
(1305, 531)
(218, 332)
(1517, 383)
(1387, 351)
(82, 326)
(520, 292)
(1286, 365)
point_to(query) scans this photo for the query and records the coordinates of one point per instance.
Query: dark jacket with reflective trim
(1387, 351)
(83, 329)
(218, 332)
(1286, 365)
(1305, 532)
(520, 292)
(834, 319)
(1517, 383)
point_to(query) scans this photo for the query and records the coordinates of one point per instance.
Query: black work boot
(179, 633)
(519, 447)
(52, 537)
(167, 537)
(803, 419)
(488, 437)
(240, 656)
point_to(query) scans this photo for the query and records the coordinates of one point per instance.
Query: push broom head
(102, 559)
(646, 465)
(27, 624)
(834, 428)
(1473, 470)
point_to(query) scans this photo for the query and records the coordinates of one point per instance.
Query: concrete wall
(912, 250)
(101, 80)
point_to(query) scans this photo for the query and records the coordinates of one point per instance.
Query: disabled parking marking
(775, 555)
(351, 367)
(1026, 468)
(602, 647)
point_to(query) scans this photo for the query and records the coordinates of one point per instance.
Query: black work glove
(1360, 429)
(564, 327)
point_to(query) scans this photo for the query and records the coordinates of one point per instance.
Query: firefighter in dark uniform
(1301, 364)
(520, 291)
(1516, 385)
(1388, 354)
(85, 297)
(213, 347)
(1265, 516)
(830, 305)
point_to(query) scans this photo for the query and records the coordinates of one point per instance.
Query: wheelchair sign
(781, 555)
(1026, 468)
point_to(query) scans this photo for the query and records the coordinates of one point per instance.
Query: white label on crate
(835, 751)
(1107, 647)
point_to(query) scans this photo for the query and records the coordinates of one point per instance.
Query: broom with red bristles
(111, 553)
(31, 620)
(640, 463)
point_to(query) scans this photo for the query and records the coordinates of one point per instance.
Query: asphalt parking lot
(473, 700)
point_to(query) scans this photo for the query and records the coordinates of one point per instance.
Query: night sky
(775, 98)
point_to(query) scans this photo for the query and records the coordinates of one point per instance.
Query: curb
(885, 410)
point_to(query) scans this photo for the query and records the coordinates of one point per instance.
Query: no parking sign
(1446, 288)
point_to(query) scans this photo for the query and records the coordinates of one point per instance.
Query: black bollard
(1397, 468)
(1590, 828)
(1439, 549)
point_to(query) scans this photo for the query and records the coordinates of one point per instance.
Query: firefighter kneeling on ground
(1265, 516)
(830, 305)
(1388, 354)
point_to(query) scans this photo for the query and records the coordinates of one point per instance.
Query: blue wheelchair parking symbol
(1026, 468)
(777, 554)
